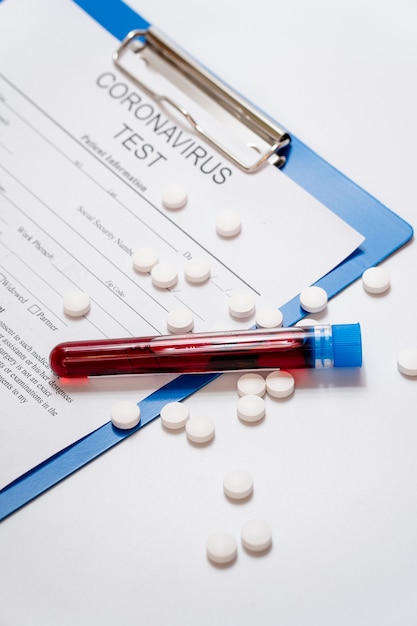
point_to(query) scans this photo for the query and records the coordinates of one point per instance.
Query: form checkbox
(34, 309)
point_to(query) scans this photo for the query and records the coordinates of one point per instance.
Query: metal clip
(268, 137)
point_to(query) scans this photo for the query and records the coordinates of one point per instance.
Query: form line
(137, 192)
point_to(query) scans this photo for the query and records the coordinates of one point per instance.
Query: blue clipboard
(384, 232)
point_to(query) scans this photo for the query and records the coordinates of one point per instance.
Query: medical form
(84, 159)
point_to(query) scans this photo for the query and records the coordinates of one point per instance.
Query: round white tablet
(407, 361)
(251, 384)
(280, 384)
(221, 547)
(200, 429)
(144, 259)
(242, 305)
(228, 223)
(76, 303)
(251, 408)
(313, 299)
(237, 484)
(268, 317)
(125, 414)
(307, 321)
(376, 280)
(256, 535)
(164, 275)
(174, 415)
(180, 320)
(174, 196)
(197, 270)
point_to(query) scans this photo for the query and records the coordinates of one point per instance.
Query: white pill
(197, 270)
(237, 484)
(221, 547)
(407, 361)
(164, 275)
(200, 429)
(251, 408)
(313, 299)
(242, 305)
(251, 384)
(144, 259)
(180, 320)
(268, 317)
(256, 535)
(174, 415)
(376, 280)
(76, 303)
(280, 384)
(125, 414)
(228, 223)
(307, 321)
(174, 196)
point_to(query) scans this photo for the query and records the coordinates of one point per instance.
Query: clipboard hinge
(269, 137)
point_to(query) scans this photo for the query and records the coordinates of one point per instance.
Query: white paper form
(84, 157)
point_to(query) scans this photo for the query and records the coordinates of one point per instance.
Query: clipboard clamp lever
(253, 127)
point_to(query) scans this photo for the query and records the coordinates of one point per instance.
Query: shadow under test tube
(320, 346)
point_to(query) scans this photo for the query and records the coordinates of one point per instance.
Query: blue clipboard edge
(384, 231)
(361, 210)
(59, 466)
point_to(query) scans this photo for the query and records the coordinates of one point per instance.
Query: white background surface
(123, 540)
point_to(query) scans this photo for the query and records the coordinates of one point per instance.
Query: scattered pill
(125, 414)
(242, 305)
(251, 408)
(268, 317)
(376, 280)
(256, 535)
(237, 484)
(307, 321)
(197, 270)
(280, 384)
(76, 303)
(174, 415)
(174, 196)
(144, 259)
(180, 320)
(251, 384)
(164, 275)
(221, 547)
(228, 223)
(313, 299)
(200, 429)
(407, 361)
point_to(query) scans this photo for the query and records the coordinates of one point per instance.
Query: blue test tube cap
(347, 345)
